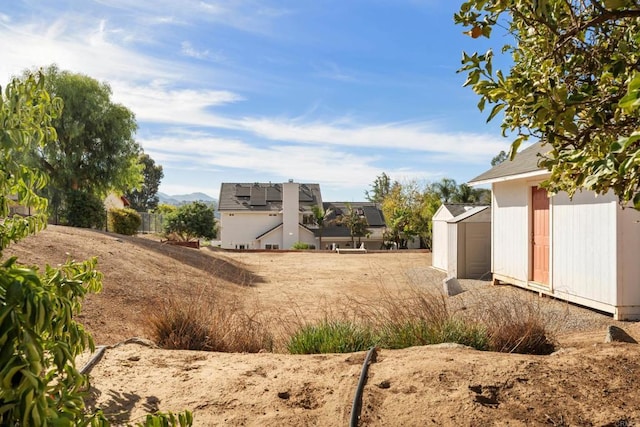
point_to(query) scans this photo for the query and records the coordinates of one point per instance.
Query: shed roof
(469, 213)
(524, 163)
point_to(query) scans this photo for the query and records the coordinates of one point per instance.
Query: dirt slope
(587, 382)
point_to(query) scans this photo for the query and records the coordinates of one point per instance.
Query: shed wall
(584, 246)
(510, 234)
(440, 239)
(628, 253)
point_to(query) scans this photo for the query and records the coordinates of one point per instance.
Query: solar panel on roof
(242, 190)
(373, 216)
(274, 194)
(258, 196)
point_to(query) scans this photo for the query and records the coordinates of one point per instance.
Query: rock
(283, 395)
(616, 334)
(452, 286)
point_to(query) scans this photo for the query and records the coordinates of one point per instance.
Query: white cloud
(189, 50)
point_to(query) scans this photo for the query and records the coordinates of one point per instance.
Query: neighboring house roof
(524, 164)
(262, 196)
(371, 211)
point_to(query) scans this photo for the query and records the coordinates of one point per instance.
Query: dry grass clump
(518, 325)
(422, 317)
(208, 324)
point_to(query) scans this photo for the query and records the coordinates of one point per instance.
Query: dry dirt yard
(586, 382)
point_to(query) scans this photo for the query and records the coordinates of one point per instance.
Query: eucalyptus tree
(94, 151)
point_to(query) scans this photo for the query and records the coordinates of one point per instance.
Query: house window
(231, 214)
(308, 219)
(271, 247)
(241, 247)
(272, 214)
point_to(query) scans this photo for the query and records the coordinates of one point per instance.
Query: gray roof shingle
(525, 161)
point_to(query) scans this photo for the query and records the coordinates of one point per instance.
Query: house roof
(524, 164)
(272, 229)
(260, 196)
(371, 211)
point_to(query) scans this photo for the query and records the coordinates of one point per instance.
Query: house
(583, 250)
(461, 242)
(267, 216)
(114, 201)
(336, 234)
(276, 216)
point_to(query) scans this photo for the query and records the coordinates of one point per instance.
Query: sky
(334, 92)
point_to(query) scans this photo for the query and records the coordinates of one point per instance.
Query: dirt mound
(587, 382)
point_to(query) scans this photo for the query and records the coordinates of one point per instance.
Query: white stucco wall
(238, 228)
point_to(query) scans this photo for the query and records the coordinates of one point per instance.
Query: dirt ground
(586, 382)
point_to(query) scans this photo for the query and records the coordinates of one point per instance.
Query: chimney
(290, 213)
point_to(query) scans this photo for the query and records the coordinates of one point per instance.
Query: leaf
(495, 110)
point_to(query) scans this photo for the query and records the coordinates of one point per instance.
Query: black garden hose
(356, 408)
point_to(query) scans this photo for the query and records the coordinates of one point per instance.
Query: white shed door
(478, 250)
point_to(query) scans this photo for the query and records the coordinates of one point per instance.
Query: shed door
(540, 235)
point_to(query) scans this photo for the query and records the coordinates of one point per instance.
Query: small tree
(322, 218)
(356, 222)
(192, 221)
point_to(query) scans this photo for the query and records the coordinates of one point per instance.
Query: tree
(380, 188)
(39, 334)
(356, 222)
(192, 221)
(574, 83)
(401, 213)
(322, 218)
(94, 149)
(466, 194)
(499, 158)
(144, 198)
(446, 189)
(40, 337)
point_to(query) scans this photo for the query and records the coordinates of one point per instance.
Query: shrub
(191, 221)
(124, 221)
(206, 324)
(517, 325)
(83, 209)
(302, 246)
(331, 337)
(409, 333)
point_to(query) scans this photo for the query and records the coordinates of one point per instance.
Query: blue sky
(327, 91)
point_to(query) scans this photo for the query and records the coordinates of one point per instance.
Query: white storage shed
(583, 250)
(461, 240)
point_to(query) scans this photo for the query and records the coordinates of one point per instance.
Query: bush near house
(124, 221)
(83, 209)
